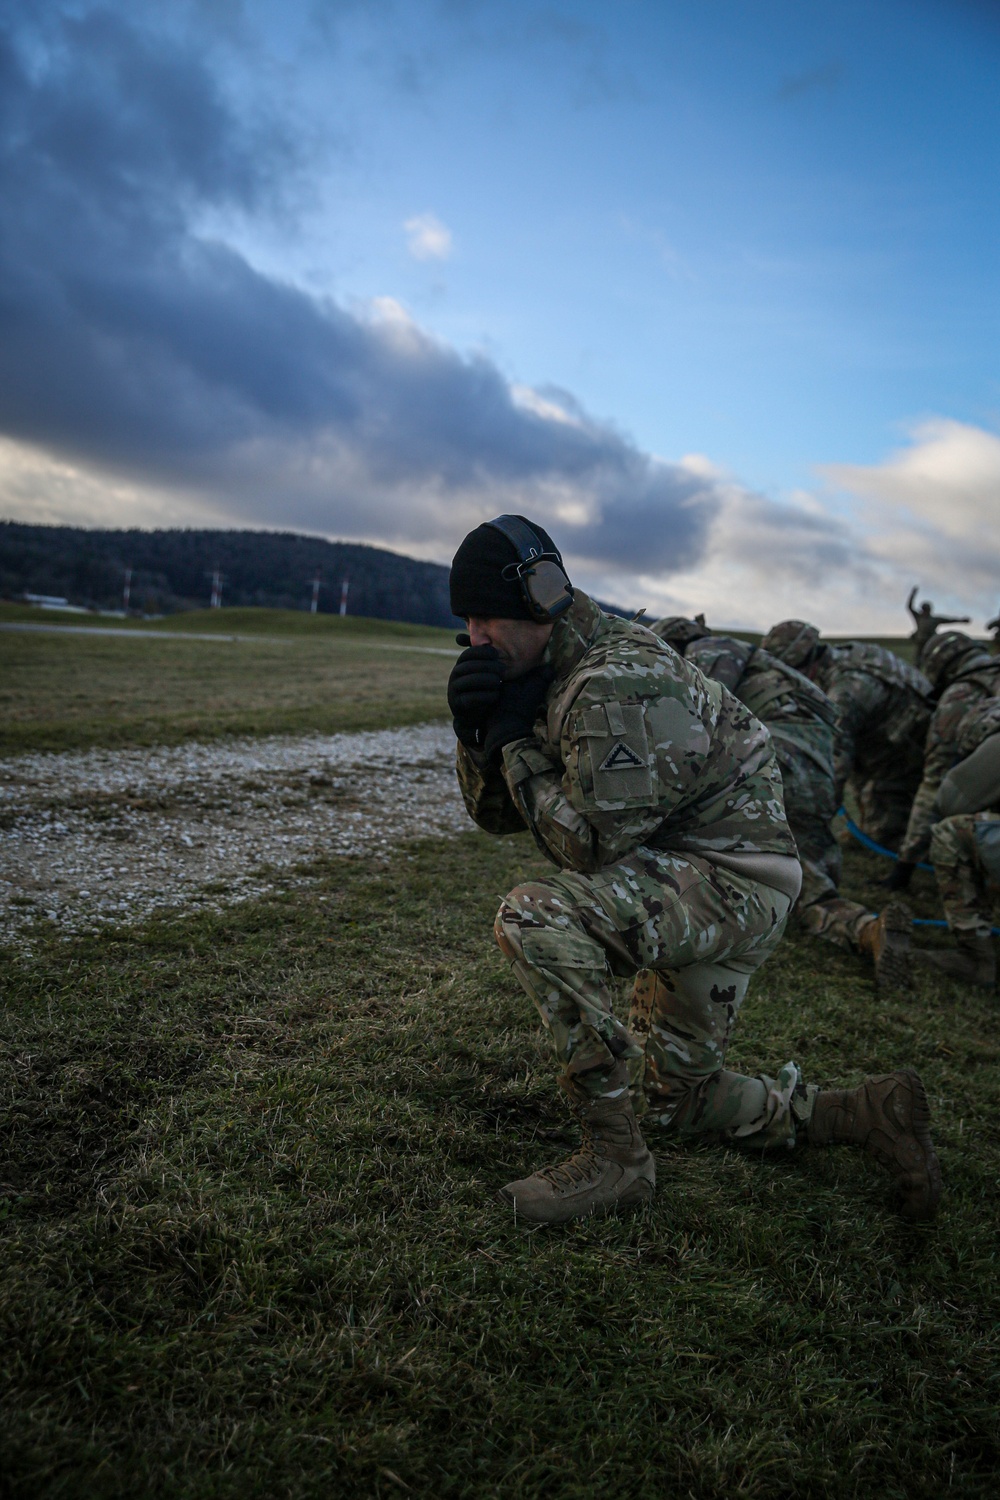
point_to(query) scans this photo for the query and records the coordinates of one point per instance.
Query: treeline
(172, 570)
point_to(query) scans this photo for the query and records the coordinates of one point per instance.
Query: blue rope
(936, 922)
(869, 843)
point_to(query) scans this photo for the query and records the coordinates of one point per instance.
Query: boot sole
(920, 1129)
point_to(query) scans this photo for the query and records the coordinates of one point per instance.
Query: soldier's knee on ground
(506, 932)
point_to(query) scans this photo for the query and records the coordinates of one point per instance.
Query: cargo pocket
(549, 948)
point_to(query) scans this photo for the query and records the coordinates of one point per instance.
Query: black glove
(517, 710)
(474, 691)
(902, 874)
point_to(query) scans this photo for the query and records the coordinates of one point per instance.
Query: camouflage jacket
(979, 683)
(633, 747)
(797, 712)
(883, 708)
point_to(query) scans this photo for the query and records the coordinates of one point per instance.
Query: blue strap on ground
(936, 922)
(869, 843)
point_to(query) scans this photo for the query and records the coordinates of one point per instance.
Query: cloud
(427, 238)
(932, 508)
(766, 560)
(135, 349)
(926, 515)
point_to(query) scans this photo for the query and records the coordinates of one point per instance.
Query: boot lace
(584, 1164)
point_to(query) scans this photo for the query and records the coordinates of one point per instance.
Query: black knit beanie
(478, 586)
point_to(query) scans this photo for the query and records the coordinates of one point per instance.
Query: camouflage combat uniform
(657, 795)
(965, 853)
(801, 722)
(957, 812)
(883, 714)
(977, 681)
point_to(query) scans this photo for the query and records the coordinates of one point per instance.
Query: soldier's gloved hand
(902, 874)
(520, 702)
(474, 691)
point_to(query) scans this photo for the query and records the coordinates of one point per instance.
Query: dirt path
(114, 835)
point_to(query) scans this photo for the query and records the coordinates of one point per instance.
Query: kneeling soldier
(656, 794)
(965, 847)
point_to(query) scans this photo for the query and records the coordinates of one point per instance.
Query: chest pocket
(614, 755)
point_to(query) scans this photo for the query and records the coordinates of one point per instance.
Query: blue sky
(710, 288)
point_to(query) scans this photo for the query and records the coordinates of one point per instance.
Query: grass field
(249, 1245)
(285, 673)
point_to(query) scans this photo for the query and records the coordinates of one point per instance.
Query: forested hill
(172, 571)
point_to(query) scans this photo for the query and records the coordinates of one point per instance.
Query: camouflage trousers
(811, 804)
(702, 931)
(884, 802)
(835, 918)
(965, 853)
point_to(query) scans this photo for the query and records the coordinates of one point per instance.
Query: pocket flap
(560, 948)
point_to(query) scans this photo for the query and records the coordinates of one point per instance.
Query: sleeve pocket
(614, 761)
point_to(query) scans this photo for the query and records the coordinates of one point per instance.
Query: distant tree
(269, 569)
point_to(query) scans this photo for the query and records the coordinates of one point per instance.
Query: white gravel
(105, 836)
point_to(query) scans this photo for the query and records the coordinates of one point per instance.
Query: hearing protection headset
(545, 588)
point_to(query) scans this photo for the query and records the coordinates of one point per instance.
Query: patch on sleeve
(617, 749)
(621, 758)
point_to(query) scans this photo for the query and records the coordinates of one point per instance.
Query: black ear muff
(547, 591)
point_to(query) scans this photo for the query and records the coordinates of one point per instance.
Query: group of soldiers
(684, 786)
(919, 748)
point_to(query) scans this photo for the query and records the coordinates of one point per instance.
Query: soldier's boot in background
(888, 1116)
(612, 1167)
(886, 940)
(973, 960)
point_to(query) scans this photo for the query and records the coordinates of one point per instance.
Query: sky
(709, 288)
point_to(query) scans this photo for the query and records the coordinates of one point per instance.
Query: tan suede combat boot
(973, 960)
(886, 940)
(889, 1117)
(612, 1167)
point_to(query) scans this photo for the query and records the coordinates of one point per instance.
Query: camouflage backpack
(865, 656)
(786, 701)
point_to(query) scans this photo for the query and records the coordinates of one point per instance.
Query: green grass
(251, 1246)
(288, 673)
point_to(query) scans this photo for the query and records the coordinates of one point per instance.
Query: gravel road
(103, 836)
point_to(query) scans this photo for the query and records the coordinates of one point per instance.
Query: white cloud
(427, 238)
(929, 514)
(528, 399)
(932, 511)
(46, 491)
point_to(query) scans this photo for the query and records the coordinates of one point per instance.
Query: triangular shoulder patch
(621, 758)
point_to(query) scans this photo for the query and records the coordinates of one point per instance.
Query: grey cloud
(129, 343)
(785, 541)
